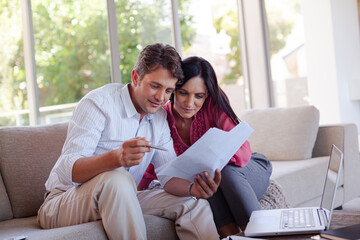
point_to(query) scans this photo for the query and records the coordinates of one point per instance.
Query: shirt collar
(129, 105)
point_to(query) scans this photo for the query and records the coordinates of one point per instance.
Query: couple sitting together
(107, 158)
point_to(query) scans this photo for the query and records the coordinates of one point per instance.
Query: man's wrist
(189, 191)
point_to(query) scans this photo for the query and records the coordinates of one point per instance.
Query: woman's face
(190, 97)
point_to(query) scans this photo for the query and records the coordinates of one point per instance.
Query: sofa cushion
(283, 133)
(301, 180)
(157, 229)
(29, 227)
(5, 207)
(27, 156)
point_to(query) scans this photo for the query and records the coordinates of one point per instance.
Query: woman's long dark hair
(197, 66)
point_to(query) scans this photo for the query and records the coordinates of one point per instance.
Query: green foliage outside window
(71, 49)
(71, 46)
(279, 28)
(12, 72)
(140, 24)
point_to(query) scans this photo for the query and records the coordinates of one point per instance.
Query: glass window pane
(217, 40)
(71, 53)
(288, 59)
(141, 23)
(13, 95)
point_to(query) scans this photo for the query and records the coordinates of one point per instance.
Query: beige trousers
(112, 197)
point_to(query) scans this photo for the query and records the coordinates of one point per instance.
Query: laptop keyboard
(297, 218)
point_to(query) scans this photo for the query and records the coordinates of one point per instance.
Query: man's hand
(205, 188)
(129, 154)
(132, 152)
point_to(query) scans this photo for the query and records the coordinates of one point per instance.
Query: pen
(158, 148)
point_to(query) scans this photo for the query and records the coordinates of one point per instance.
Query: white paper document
(213, 150)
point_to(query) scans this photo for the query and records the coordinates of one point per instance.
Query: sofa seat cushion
(29, 227)
(283, 133)
(156, 227)
(300, 180)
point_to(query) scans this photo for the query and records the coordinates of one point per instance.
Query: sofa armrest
(345, 137)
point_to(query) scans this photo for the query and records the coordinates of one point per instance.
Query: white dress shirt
(101, 122)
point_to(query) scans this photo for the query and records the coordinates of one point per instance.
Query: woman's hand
(205, 188)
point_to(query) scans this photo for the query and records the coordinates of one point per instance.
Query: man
(107, 151)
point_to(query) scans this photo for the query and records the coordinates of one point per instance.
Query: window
(216, 39)
(140, 23)
(287, 48)
(13, 95)
(71, 53)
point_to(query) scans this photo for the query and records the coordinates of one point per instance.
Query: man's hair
(159, 55)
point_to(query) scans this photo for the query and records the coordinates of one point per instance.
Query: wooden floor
(344, 218)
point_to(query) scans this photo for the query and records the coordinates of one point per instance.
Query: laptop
(305, 220)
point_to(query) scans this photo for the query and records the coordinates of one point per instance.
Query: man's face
(153, 91)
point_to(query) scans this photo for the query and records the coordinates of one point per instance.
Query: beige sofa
(27, 155)
(299, 151)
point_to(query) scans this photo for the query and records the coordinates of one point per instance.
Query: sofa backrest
(283, 133)
(27, 155)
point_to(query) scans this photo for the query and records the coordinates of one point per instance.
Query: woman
(197, 105)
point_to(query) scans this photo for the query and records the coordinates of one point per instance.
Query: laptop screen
(332, 179)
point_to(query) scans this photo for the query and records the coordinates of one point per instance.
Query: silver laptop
(305, 220)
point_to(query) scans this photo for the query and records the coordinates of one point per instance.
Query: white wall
(332, 41)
